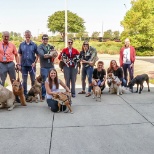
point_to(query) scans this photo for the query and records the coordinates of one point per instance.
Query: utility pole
(65, 23)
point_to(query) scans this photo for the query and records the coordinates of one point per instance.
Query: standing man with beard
(47, 54)
(28, 57)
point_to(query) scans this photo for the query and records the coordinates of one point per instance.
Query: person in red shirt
(127, 59)
(70, 71)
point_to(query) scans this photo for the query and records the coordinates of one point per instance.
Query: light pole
(65, 23)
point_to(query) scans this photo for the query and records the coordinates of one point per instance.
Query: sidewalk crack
(51, 134)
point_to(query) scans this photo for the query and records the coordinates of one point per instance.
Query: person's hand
(102, 83)
(91, 63)
(33, 64)
(131, 65)
(113, 82)
(118, 84)
(83, 61)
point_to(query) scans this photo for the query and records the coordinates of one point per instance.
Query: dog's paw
(58, 111)
(71, 112)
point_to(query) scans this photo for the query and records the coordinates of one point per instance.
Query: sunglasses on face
(70, 42)
(85, 44)
(45, 38)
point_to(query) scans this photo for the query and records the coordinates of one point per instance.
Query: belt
(6, 62)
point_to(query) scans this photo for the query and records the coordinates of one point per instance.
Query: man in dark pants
(28, 57)
(46, 60)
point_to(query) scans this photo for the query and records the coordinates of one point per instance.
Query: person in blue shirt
(28, 57)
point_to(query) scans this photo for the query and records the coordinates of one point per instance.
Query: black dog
(139, 79)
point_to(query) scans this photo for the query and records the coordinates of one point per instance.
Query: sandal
(88, 94)
(82, 92)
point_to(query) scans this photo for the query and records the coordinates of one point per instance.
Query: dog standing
(7, 98)
(63, 99)
(139, 80)
(115, 86)
(35, 90)
(96, 92)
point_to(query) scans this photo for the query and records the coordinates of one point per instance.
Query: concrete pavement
(117, 125)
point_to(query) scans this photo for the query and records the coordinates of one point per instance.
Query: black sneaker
(73, 95)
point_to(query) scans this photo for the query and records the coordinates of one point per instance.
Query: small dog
(96, 92)
(64, 61)
(76, 60)
(7, 98)
(114, 80)
(63, 99)
(35, 90)
(19, 91)
(139, 80)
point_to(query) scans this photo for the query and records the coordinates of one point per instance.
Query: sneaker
(73, 95)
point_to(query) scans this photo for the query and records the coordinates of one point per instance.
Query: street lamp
(65, 23)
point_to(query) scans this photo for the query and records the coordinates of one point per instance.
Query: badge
(4, 58)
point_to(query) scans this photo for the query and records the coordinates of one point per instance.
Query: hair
(55, 79)
(44, 35)
(100, 62)
(28, 31)
(85, 42)
(70, 40)
(5, 33)
(110, 69)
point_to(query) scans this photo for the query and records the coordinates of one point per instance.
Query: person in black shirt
(99, 75)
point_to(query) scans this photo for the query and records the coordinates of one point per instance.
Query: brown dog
(35, 90)
(19, 91)
(63, 99)
(96, 92)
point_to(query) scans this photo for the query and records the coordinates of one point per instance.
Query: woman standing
(52, 87)
(70, 72)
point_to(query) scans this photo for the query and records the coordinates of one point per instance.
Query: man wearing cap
(47, 54)
(7, 53)
(28, 57)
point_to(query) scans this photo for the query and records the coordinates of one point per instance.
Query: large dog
(35, 91)
(19, 91)
(7, 98)
(96, 92)
(63, 98)
(139, 80)
(115, 84)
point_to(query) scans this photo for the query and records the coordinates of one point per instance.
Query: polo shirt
(7, 50)
(28, 53)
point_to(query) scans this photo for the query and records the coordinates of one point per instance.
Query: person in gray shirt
(47, 54)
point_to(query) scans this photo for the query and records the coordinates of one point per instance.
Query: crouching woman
(52, 88)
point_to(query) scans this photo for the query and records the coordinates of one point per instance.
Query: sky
(99, 15)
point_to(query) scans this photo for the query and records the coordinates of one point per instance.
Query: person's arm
(64, 86)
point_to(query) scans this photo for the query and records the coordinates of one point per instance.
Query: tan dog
(115, 84)
(63, 99)
(35, 90)
(19, 91)
(7, 98)
(96, 92)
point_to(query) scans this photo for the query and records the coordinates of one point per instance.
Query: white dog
(7, 98)
(115, 86)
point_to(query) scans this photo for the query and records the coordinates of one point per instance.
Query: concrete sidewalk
(117, 125)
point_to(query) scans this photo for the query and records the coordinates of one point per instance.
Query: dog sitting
(115, 84)
(19, 91)
(35, 90)
(96, 92)
(139, 80)
(7, 98)
(63, 99)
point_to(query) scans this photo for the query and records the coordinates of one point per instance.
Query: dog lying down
(97, 92)
(139, 80)
(63, 98)
(7, 98)
(115, 86)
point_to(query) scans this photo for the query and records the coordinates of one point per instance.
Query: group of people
(28, 54)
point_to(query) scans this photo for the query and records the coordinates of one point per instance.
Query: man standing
(7, 53)
(28, 57)
(47, 54)
(127, 59)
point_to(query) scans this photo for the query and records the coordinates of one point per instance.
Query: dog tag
(4, 58)
(48, 60)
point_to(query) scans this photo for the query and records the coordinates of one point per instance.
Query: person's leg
(11, 71)
(53, 104)
(24, 71)
(125, 72)
(83, 78)
(67, 76)
(131, 72)
(73, 74)
(3, 73)
(32, 73)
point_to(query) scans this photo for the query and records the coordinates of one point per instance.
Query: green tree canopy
(56, 23)
(95, 35)
(138, 24)
(108, 34)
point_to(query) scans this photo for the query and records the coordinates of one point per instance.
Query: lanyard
(5, 49)
(70, 51)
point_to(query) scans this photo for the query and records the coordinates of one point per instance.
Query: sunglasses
(70, 42)
(45, 38)
(85, 44)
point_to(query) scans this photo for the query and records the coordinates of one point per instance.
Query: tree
(116, 35)
(56, 23)
(95, 35)
(108, 34)
(138, 24)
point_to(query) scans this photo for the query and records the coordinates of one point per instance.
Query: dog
(76, 60)
(96, 92)
(19, 91)
(35, 90)
(7, 98)
(139, 80)
(115, 87)
(63, 98)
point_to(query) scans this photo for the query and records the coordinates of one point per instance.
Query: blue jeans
(44, 73)
(87, 71)
(25, 70)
